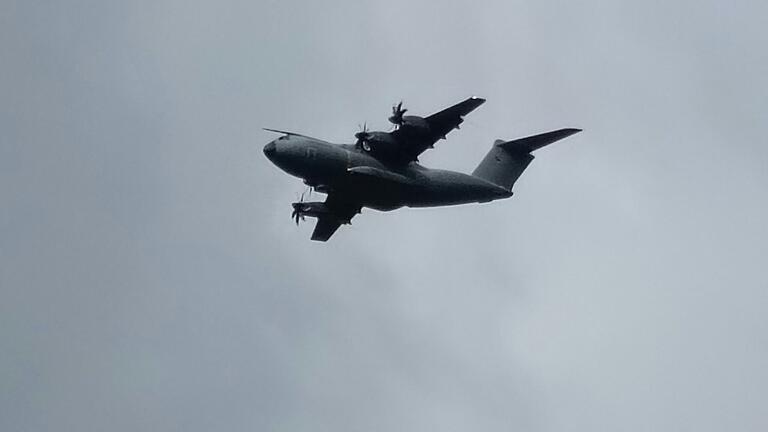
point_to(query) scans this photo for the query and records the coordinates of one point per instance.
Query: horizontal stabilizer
(535, 142)
(507, 160)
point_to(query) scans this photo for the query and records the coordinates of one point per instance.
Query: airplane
(381, 170)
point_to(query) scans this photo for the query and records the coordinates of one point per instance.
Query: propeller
(298, 210)
(363, 137)
(397, 114)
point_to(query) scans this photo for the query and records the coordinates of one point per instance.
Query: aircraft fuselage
(347, 169)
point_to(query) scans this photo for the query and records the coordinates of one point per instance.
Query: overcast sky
(151, 277)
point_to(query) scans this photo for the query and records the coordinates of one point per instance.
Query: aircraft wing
(339, 211)
(450, 118)
(443, 122)
(324, 228)
(289, 134)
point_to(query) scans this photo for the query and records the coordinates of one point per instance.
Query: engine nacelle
(381, 145)
(414, 127)
(392, 146)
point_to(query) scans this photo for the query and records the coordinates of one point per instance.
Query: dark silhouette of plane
(381, 170)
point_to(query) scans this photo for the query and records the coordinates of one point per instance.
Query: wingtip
(572, 131)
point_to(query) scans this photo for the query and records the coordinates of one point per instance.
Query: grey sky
(151, 278)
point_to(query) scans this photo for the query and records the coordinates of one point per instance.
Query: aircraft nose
(270, 149)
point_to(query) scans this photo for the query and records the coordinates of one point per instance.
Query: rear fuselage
(337, 167)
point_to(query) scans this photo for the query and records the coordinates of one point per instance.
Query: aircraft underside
(427, 188)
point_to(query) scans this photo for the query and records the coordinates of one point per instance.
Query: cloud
(150, 277)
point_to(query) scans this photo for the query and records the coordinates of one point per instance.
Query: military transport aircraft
(381, 170)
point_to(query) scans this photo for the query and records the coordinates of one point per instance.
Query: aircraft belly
(445, 188)
(377, 187)
(371, 184)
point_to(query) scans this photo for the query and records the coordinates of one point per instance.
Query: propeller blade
(397, 114)
(363, 137)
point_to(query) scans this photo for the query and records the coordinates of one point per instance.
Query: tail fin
(507, 160)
